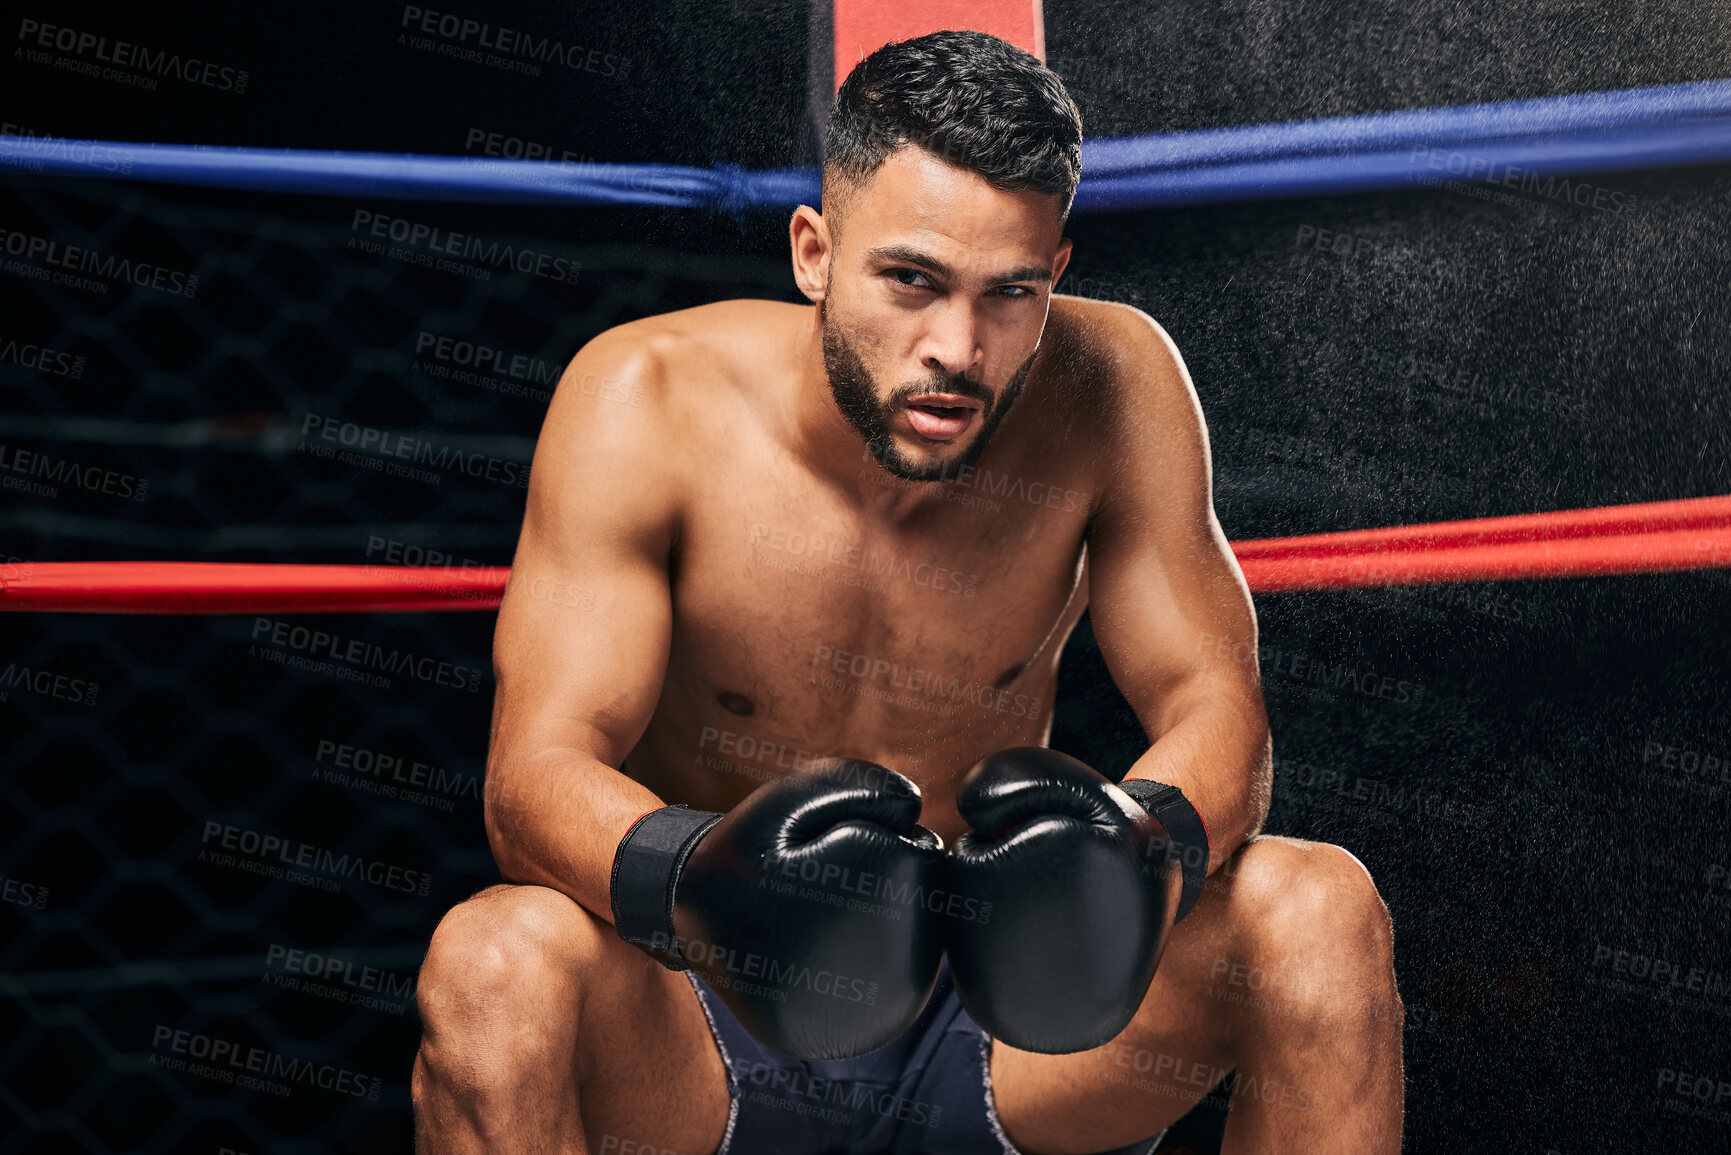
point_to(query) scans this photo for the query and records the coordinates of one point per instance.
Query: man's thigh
(1185, 1037)
(651, 1070)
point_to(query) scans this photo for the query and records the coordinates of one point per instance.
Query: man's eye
(1015, 292)
(908, 276)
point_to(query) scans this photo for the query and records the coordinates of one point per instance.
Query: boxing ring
(1484, 151)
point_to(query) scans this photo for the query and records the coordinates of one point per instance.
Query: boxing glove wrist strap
(645, 873)
(1188, 838)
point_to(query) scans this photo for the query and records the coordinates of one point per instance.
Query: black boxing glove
(1085, 886)
(803, 907)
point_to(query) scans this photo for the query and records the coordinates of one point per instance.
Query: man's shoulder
(637, 389)
(1119, 356)
(686, 349)
(1113, 332)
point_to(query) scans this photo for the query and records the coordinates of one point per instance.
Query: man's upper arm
(583, 634)
(1168, 602)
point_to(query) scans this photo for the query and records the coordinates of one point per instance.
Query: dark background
(1464, 359)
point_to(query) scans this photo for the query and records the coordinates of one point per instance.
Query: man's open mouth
(941, 417)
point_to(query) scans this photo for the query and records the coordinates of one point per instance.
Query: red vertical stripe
(864, 26)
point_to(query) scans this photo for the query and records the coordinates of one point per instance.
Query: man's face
(934, 301)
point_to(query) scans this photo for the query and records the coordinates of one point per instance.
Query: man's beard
(855, 392)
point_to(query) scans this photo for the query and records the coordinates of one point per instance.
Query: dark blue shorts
(927, 1093)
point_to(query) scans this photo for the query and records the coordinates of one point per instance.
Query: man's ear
(808, 234)
(1060, 262)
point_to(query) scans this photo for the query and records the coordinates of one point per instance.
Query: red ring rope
(1654, 537)
(204, 587)
(1621, 539)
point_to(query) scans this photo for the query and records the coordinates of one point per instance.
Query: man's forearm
(556, 818)
(1218, 753)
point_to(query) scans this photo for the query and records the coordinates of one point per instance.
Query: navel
(1009, 675)
(736, 703)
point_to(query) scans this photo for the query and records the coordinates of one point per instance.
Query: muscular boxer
(764, 541)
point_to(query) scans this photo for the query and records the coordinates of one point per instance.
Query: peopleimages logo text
(124, 54)
(60, 471)
(289, 852)
(384, 444)
(512, 42)
(79, 259)
(364, 654)
(232, 1062)
(466, 246)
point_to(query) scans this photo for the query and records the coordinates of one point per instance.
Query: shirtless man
(760, 533)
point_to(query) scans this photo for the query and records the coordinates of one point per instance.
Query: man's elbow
(1261, 784)
(506, 799)
(500, 841)
(1246, 721)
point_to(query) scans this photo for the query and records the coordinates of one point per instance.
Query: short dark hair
(968, 97)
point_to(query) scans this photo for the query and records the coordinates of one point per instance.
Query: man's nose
(952, 344)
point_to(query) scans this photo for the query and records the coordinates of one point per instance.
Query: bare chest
(802, 628)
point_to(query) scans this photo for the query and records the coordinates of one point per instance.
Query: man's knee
(1312, 889)
(500, 952)
(1318, 936)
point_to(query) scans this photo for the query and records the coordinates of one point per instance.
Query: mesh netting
(225, 852)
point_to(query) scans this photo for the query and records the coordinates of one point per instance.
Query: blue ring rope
(1516, 140)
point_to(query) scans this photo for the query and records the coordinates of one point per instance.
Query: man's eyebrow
(908, 255)
(1025, 273)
